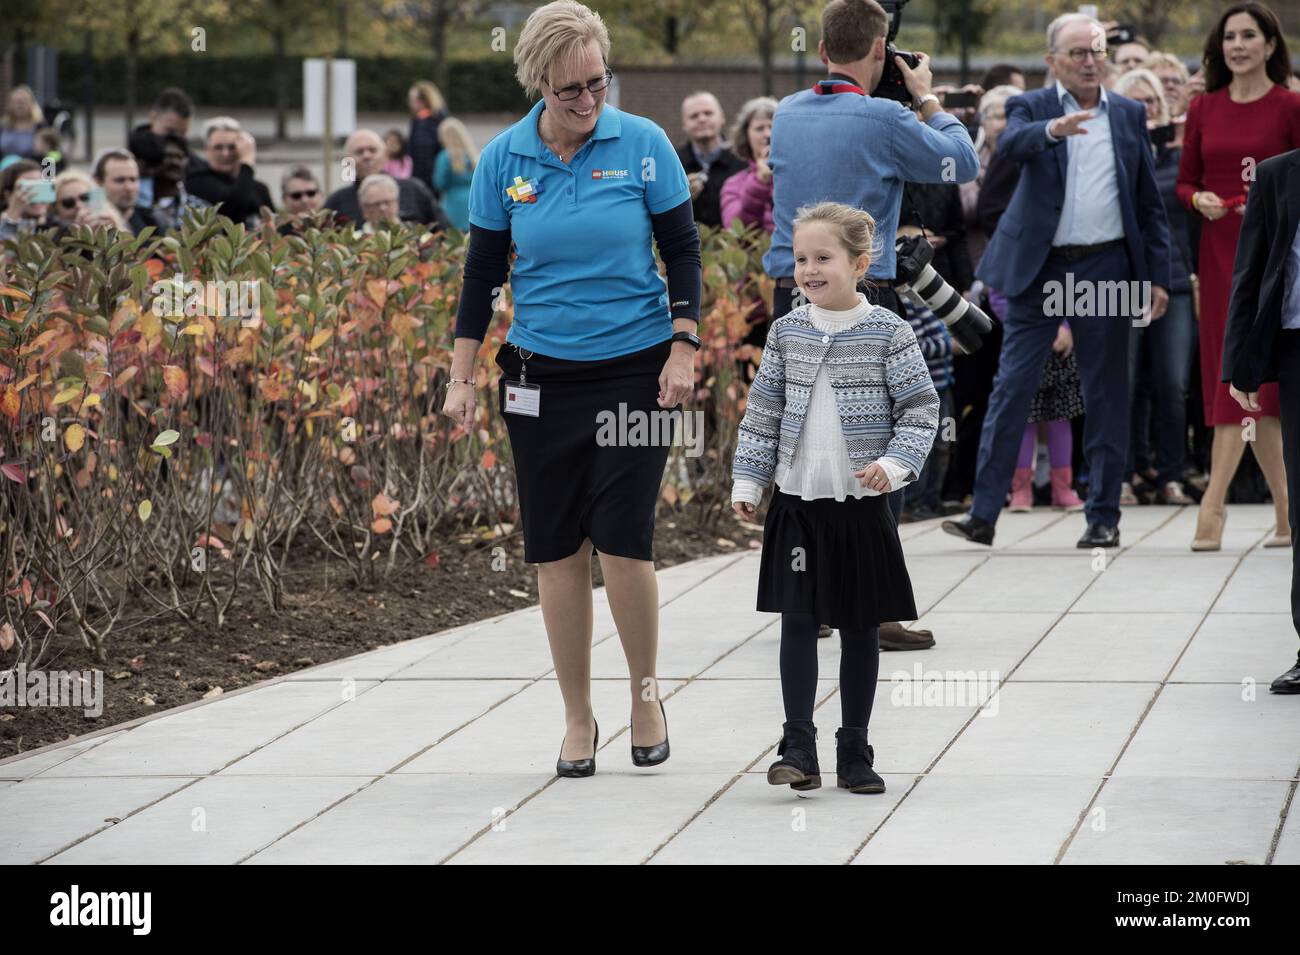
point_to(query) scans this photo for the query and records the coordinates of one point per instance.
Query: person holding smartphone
(24, 198)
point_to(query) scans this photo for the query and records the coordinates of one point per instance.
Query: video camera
(891, 85)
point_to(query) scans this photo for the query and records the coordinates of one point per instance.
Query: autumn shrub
(182, 415)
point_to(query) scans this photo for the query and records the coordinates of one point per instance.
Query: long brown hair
(1278, 67)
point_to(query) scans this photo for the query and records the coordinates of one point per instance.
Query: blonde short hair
(997, 96)
(554, 35)
(1143, 75)
(1160, 60)
(72, 175)
(855, 228)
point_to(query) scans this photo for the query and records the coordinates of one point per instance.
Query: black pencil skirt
(839, 560)
(571, 485)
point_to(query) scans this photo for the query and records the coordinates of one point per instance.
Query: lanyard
(823, 87)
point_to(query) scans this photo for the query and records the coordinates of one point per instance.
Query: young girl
(398, 164)
(842, 411)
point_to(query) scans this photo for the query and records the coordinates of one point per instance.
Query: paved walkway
(1126, 718)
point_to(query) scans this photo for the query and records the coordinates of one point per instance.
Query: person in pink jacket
(747, 195)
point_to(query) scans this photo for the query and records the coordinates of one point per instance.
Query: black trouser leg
(1288, 381)
(859, 670)
(798, 665)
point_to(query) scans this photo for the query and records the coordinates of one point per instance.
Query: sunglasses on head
(70, 202)
(304, 194)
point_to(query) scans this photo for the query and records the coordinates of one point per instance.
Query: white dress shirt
(1091, 211)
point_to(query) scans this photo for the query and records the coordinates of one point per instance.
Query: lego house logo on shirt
(609, 174)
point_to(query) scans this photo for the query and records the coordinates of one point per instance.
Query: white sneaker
(1126, 496)
(1173, 493)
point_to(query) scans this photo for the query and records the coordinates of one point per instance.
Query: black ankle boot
(798, 763)
(853, 761)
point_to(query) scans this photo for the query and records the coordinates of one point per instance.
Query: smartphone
(1124, 33)
(960, 99)
(38, 190)
(96, 201)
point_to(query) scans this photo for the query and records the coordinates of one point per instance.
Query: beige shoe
(1209, 528)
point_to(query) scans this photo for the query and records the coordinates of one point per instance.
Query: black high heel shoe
(651, 755)
(577, 768)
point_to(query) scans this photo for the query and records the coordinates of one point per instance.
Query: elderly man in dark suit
(1085, 239)
(1262, 342)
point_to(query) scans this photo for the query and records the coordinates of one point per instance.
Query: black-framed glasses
(70, 202)
(305, 194)
(1079, 53)
(573, 92)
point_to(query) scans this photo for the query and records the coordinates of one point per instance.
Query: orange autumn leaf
(383, 505)
(10, 401)
(377, 289)
(177, 381)
(381, 525)
(489, 459)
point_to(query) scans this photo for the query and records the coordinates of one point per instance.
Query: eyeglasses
(1078, 54)
(573, 92)
(71, 201)
(380, 204)
(305, 194)
(1172, 82)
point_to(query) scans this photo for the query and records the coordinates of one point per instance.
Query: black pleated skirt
(839, 560)
(571, 485)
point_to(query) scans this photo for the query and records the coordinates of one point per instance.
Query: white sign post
(334, 82)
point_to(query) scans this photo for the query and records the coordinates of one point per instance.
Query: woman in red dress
(1245, 115)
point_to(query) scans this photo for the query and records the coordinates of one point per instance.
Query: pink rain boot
(1022, 491)
(1063, 496)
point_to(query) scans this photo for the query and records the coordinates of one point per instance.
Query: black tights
(859, 668)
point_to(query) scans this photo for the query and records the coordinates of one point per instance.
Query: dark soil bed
(169, 663)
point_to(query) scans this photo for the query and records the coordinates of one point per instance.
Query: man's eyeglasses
(573, 92)
(1078, 54)
(305, 194)
(70, 202)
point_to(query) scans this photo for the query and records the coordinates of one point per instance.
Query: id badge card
(523, 398)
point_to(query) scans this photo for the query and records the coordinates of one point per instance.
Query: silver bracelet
(459, 381)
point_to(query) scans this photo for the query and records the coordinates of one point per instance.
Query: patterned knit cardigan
(883, 391)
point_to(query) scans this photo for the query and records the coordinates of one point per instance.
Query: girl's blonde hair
(430, 95)
(855, 228)
(554, 36)
(459, 144)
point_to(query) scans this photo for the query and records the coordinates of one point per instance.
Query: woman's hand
(873, 476)
(459, 405)
(761, 169)
(1210, 205)
(1064, 343)
(744, 509)
(677, 380)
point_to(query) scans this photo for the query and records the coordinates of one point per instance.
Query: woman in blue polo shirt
(581, 189)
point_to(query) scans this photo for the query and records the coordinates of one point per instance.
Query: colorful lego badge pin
(524, 190)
